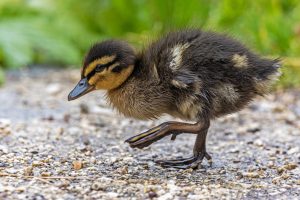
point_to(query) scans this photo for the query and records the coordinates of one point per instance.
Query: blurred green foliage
(59, 32)
(2, 78)
(290, 73)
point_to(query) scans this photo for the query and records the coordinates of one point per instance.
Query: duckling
(189, 74)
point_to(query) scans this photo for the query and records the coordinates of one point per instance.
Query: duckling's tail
(267, 74)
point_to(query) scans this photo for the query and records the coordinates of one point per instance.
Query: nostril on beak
(82, 82)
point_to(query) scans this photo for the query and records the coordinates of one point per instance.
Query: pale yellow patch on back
(101, 61)
(155, 73)
(224, 93)
(197, 86)
(178, 84)
(229, 93)
(190, 107)
(177, 52)
(275, 76)
(240, 61)
(263, 86)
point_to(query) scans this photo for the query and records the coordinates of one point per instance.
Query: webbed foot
(186, 163)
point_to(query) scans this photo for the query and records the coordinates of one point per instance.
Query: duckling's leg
(175, 128)
(168, 128)
(192, 162)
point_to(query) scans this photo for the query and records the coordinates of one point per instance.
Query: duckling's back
(208, 74)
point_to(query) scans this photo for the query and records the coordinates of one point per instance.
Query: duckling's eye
(99, 68)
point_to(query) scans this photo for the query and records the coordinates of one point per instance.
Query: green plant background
(59, 32)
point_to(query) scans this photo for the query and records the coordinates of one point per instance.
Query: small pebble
(293, 150)
(152, 194)
(53, 89)
(258, 143)
(84, 109)
(98, 186)
(290, 166)
(276, 180)
(123, 170)
(2, 164)
(36, 163)
(28, 171)
(77, 164)
(46, 174)
(64, 184)
(251, 175)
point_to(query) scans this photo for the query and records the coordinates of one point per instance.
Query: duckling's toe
(147, 138)
(142, 135)
(186, 163)
(181, 161)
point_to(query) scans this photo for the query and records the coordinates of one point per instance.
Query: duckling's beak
(82, 88)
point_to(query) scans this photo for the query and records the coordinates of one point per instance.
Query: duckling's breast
(141, 99)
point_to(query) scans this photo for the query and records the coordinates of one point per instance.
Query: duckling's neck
(139, 96)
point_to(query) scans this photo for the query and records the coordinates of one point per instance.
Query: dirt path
(43, 138)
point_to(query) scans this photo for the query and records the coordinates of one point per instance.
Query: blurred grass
(2, 77)
(290, 73)
(59, 32)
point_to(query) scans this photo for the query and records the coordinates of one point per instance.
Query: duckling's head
(106, 66)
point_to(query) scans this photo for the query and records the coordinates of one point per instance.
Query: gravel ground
(54, 149)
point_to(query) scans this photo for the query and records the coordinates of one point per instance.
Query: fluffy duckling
(192, 74)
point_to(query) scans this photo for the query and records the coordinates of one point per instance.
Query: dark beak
(82, 88)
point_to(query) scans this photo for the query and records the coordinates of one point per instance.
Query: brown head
(106, 66)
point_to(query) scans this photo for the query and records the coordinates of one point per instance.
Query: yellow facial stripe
(102, 61)
(109, 80)
(93, 80)
(105, 73)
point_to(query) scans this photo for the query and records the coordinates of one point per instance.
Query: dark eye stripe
(92, 73)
